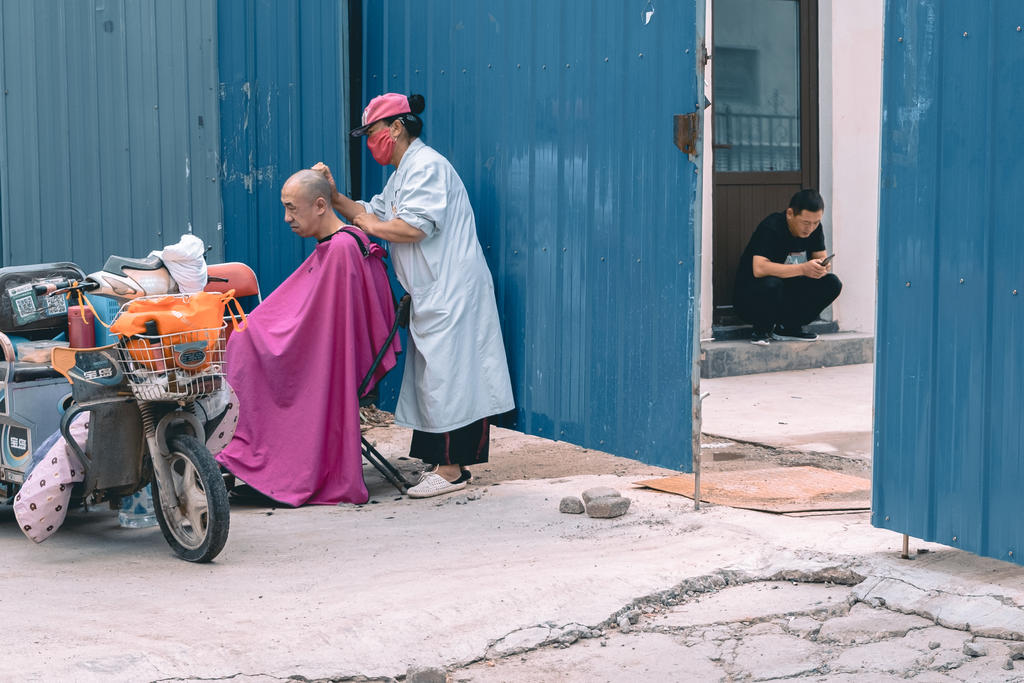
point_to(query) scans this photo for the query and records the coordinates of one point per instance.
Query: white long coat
(455, 366)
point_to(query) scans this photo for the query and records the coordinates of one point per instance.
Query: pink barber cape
(296, 370)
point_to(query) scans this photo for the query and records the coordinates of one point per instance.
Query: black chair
(372, 455)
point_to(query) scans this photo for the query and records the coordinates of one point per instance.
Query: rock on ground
(599, 492)
(571, 505)
(430, 674)
(607, 507)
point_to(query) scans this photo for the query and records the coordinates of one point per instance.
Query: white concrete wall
(850, 93)
(856, 49)
(707, 309)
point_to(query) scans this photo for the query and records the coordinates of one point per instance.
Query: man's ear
(321, 205)
(789, 213)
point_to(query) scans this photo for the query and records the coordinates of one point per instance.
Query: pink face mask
(381, 146)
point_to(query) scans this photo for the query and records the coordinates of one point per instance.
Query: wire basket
(175, 366)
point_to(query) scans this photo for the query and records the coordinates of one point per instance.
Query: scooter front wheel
(197, 527)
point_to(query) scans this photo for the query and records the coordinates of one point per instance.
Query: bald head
(306, 197)
(310, 185)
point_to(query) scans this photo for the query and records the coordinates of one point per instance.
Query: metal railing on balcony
(756, 142)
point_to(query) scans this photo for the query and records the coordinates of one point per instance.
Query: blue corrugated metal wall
(949, 438)
(108, 128)
(559, 118)
(284, 106)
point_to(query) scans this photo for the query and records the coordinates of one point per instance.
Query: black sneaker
(782, 333)
(761, 337)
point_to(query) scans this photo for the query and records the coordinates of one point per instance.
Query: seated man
(297, 366)
(779, 298)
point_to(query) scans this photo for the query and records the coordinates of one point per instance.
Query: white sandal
(465, 475)
(433, 484)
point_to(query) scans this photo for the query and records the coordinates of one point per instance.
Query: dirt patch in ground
(721, 454)
(516, 456)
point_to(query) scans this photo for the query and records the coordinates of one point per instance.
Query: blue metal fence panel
(108, 128)
(559, 118)
(949, 440)
(284, 106)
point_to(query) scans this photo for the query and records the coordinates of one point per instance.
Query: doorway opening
(782, 77)
(765, 125)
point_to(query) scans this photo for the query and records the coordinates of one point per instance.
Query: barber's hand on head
(813, 269)
(322, 168)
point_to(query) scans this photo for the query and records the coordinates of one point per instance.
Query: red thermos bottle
(81, 327)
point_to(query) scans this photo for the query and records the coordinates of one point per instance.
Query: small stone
(624, 625)
(426, 674)
(934, 645)
(633, 615)
(1017, 651)
(1008, 665)
(571, 633)
(607, 507)
(973, 650)
(571, 505)
(599, 492)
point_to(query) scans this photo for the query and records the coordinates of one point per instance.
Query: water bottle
(137, 510)
(81, 327)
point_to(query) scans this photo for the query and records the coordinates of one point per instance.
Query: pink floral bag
(42, 503)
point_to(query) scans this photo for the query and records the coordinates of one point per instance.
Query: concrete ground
(494, 584)
(824, 410)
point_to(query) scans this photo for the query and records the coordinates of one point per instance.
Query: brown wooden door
(765, 126)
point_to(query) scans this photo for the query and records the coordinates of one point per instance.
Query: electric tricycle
(156, 401)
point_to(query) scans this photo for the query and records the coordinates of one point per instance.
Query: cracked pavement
(494, 584)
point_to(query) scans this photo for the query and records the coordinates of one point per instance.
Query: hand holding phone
(827, 260)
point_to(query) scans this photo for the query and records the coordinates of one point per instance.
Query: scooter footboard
(116, 447)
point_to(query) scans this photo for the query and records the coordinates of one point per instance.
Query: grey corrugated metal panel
(99, 128)
(20, 130)
(284, 104)
(558, 117)
(203, 118)
(949, 459)
(79, 96)
(189, 152)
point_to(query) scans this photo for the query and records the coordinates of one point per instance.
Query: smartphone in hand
(827, 260)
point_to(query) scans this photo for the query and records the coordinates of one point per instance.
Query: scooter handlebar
(49, 288)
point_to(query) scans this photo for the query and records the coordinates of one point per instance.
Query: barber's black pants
(464, 446)
(790, 302)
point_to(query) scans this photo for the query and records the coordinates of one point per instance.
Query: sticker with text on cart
(29, 307)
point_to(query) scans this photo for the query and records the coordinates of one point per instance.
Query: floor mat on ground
(777, 489)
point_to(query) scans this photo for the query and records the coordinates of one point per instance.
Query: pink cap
(382, 107)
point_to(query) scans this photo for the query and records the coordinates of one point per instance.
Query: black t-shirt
(773, 240)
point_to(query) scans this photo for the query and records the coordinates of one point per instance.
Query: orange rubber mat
(777, 489)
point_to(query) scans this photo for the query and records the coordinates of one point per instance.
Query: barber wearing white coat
(456, 374)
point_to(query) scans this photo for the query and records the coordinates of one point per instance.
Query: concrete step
(739, 330)
(729, 358)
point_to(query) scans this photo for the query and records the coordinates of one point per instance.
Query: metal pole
(696, 457)
(698, 160)
(906, 548)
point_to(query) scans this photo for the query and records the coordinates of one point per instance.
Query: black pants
(469, 445)
(790, 302)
